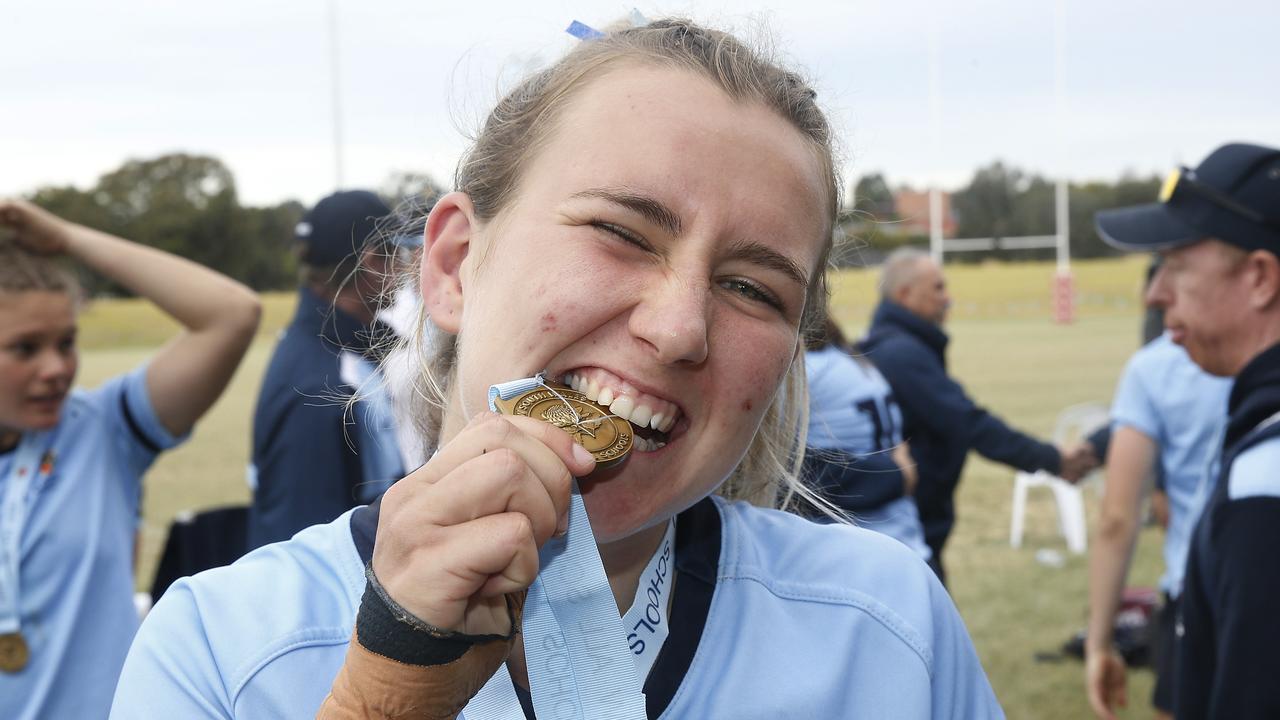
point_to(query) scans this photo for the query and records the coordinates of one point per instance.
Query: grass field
(1004, 349)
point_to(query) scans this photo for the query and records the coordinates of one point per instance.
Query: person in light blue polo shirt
(1166, 414)
(71, 461)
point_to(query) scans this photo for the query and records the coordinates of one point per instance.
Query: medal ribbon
(32, 462)
(575, 643)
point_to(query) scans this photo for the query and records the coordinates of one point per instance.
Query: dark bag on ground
(1135, 624)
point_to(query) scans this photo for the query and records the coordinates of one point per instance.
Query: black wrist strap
(384, 627)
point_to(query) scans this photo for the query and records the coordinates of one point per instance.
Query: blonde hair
(24, 271)
(526, 117)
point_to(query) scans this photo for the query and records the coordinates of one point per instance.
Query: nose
(1158, 294)
(56, 365)
(673, 319)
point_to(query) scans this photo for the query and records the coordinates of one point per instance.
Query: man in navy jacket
(1218, 228)
(940, 422)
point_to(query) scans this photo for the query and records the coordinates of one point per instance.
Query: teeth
(621, 407)
(624, 402)
(646, 445)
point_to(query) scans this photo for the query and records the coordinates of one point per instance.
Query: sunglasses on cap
(1185, 178)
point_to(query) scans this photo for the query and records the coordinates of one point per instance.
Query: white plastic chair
(1074, 424)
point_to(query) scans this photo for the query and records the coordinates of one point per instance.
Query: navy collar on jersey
(697, 565)
(1255, 396)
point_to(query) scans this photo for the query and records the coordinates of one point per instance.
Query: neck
(346, 299)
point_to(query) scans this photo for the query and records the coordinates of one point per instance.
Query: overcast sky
(86, 85)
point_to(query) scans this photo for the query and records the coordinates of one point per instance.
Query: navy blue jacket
(940, 422)
(1229, 626)
(307, 467)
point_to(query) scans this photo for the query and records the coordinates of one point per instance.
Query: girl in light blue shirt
(643, 225)
(71, 461)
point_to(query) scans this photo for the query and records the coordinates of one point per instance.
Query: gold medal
(607, 437)
(13, 652)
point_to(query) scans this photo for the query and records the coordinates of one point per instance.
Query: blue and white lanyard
(32, 463)
(576, 646)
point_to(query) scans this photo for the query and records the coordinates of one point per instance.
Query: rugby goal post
(1063, 286)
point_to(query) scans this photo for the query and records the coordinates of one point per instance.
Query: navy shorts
(1164, 642)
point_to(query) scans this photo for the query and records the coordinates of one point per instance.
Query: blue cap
(1233, 196)
(339, 226)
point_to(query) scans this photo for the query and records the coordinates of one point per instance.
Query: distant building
(913, 212)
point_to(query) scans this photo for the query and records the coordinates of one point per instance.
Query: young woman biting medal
(643, 224)
(71, 461)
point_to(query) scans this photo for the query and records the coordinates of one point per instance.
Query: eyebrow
(765, 256)
(649, 208)
(664, 217)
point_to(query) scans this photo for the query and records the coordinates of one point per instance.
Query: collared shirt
(315, 456)
(76, 569)
(772, 616)
(1164, 395)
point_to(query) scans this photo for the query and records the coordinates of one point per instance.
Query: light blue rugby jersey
(851, 408)
(76, 572)
(803, 621)
(1164, 395)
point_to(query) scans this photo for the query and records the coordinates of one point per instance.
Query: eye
(628, 236)
(752, 291)
(67, 345)
(24, 349)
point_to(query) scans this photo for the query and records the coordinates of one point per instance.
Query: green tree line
(187, 205)
(1002, 201)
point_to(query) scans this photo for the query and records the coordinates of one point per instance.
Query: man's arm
(1131, 459)
(931, 398)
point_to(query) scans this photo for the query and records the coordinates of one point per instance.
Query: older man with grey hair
(940, 422)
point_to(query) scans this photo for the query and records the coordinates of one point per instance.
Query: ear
(446, 243)
(1264, 278)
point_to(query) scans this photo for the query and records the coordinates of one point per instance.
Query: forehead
(35, 311)
(682, 138)
(1207, 254)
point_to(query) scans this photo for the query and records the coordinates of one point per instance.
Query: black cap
(1233, 196)
(339, 226)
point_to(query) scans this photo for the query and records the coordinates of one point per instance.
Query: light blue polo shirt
(1168, 398)
(76, 568)
(851, 409)
(804, 621)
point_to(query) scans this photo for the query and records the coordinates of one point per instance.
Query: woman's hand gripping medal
(457, 549)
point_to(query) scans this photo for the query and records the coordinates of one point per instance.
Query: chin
(616, 510)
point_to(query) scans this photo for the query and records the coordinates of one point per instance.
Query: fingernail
(562, 528)
(582, 455)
